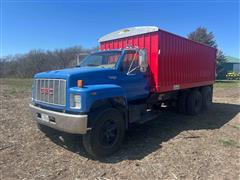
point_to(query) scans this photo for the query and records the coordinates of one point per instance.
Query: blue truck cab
(77, 100)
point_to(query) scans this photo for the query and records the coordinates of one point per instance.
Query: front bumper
(70, 123)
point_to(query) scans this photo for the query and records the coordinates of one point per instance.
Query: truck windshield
(102, 59)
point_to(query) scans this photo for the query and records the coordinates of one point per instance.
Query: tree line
(35, 61)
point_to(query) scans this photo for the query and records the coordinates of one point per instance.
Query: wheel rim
(108, 133)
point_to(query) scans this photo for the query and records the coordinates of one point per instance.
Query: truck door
(134, 82)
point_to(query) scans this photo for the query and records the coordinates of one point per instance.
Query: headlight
(75, 101)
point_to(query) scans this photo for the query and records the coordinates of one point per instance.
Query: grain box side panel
(183, 63)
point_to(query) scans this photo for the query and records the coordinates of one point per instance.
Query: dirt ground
(172, 146)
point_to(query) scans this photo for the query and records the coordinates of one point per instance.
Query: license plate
(45, 117)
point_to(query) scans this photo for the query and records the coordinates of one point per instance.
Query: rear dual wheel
(182, 102)
(206, 97)
(194, 101)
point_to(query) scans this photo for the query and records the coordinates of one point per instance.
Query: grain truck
(135, 73)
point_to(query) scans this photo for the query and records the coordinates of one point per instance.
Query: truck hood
(90, 75)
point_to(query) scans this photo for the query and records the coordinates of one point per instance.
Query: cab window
(130, 62)
(102, 59)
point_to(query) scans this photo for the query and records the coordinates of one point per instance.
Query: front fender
(92, 93)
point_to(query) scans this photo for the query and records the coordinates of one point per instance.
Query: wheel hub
(108, 134)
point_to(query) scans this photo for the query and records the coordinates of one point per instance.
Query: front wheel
(106, 135)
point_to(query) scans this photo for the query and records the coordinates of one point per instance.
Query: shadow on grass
(144, 139)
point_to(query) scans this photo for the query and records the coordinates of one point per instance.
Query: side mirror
(143, 63)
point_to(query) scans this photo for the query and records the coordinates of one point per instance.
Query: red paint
(181, 61)
(46, 91)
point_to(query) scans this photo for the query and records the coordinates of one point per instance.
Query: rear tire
(106, 135)
(194, 102)
(206, 97)
(182, 102)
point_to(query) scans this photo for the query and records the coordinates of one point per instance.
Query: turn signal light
(80, 83)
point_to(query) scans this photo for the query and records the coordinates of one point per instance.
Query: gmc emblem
(46, 91)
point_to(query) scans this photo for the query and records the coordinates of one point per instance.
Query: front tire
(106, 135)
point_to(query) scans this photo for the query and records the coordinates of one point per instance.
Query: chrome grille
(50, 91)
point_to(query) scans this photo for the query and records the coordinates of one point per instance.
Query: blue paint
(99, 83)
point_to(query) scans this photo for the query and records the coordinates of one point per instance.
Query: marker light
(80, 83)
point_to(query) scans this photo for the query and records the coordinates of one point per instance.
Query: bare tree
(35, 61)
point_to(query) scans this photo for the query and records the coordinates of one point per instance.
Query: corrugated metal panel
(175, 62)
(184, 63)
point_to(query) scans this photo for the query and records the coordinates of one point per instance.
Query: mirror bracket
(143, 63)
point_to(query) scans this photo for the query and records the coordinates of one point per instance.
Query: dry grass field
(172, 146)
